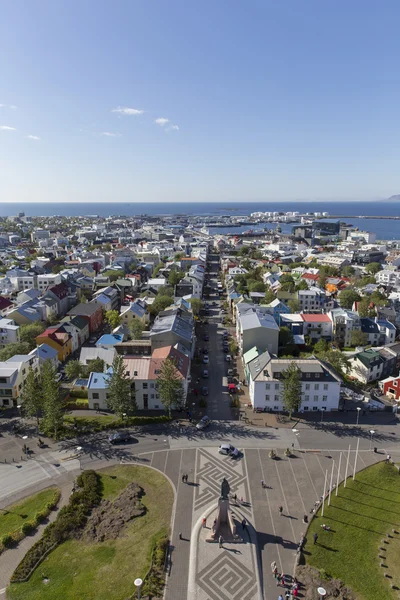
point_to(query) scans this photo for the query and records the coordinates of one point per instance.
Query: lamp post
(322, 414)
(138, 582)
(358, 414)
(372, 431)
(25, 437)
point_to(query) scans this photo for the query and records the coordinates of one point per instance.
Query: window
(307, 386)
(316, 375)
(315, 407)
(135, 373)
(145, 386)
(145, 397)
(267, 386)
(152, 385)
(325, 386)
(276, 407)
(157, 371)
(277, 398)
(324, 398)
(6, 402)
(306, 408)
(152, 396)
(95, 396)
(267, 397)
(316, 398)
(306, 398)
(277, 386)
(316, 386)
(308, 375)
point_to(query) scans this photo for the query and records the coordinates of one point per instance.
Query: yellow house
(59, 340)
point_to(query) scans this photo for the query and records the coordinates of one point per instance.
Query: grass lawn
(14, 516)
(105, 570)
(360, 517)
(82, 421)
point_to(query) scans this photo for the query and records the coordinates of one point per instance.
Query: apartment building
(9, 332)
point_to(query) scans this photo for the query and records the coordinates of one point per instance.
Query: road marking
(3, 591)
(311, 479)
(285, 501)
(297, 485)
(270, 513)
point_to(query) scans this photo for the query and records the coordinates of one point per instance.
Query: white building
(13, 373)
(320, 385)
(9, 332)
(48, 280)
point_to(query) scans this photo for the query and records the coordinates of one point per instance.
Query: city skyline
(143, 103)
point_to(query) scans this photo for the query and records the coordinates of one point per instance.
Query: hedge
(29, 526)
(68, 524)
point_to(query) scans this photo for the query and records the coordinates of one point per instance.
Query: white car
(228, 358)
(205, 359)
(229, 450)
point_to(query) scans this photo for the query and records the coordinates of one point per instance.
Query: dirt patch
(310, 579)
(109, 518)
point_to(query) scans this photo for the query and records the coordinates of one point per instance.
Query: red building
(391, 387)
(91, 312)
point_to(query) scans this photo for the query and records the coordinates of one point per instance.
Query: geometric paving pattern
(210, 471)
(227, 579)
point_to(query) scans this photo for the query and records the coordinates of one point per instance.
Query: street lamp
(372, 431)
(138, 582)
(322, 414)
(322, 593)
(358, 413)
(25, 437)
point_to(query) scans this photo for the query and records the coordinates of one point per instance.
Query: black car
(204, 390)
(120, 437)
(206, 337)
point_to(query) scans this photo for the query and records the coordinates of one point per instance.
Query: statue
(225, 489)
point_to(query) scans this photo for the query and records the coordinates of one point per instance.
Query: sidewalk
(10, 559)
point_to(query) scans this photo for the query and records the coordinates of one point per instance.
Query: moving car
(120, 437)
(203, 423)
(229, 450)
(228, 358)
(204, 390)
(205, 374)
(205, 359)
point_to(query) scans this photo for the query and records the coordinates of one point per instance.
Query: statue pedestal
(225, 524)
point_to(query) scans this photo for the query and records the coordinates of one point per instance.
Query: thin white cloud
(12, 106)
(110, 134)
(33, 137)
(172, 128)
(162, 121)
(124, 110)
(7, 128)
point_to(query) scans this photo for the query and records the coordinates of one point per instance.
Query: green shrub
(41, 516)
(27, 527)
(7, 540)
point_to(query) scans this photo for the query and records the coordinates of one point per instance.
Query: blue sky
(265, 100)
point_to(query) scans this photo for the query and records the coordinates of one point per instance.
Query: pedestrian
(214, 525)
(262, 483)
(287, 595)
(282, 580)
(204, 522)
(280, 597)
(180, 535)
(280, 510)
(186, 477)
(277, 577)
(315, 536)
(183, 478)
(273, 567)
(220, 541)
(305, 519)
(235, 498)
(295, 592)
(244, 524)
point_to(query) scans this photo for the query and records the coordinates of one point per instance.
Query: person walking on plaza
(220, 541)
(244, 524)
(280, 597)
(280, 510)
(315, 536)
(204, 522)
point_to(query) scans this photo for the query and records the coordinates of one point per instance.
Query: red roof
(311, 276)
(315, 318)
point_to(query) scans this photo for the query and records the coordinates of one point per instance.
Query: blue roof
(110, 339)
(103, 299)
(98, 381)
(385, 323)
(45, 351)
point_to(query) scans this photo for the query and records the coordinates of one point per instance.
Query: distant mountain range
(395, 198)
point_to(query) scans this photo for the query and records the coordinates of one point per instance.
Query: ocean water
(385, 229)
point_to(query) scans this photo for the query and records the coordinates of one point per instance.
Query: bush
(41, 516)
(7, 540)
(68, 523)
(28, 527)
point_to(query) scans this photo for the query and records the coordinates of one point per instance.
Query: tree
(95, 365)
(291, 388)
(160, 303)
(286, 278)
(294, 305)
(169, 385)
(366, 281)
(31, 397)
(364, 309)
(337, 359)
(52, 404)
(285, 337)
(373, 268)
(322, 281)
(136, 328)
(256, 286)
(348, 297)
(244, 251)
(29, 333)
(175, 277)
(179, 255)
(321, 346)
(165, 290)
(269, 297)
(119, 396)
(113, 274)
(287, 287)
(302, 285)
(358, 338)
(348, 271)
(378, 298)
(73, 370)
(196, 305)
(13, 349)
(113, 318)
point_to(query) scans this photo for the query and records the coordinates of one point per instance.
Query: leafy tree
(196, 305)
(13, 349)
(366, 281)
(322, 281)
(348, 271)
(256, 286)
(165, 290)
(358, 338)
(285, 336)
(269, 297)
(113, 274)
(244, 251)
(337, 359)
(348, 297)
(302, 285)
(52, 404)
(291, 388)
(29, 333)
(158, 268)
(136, 328)
(113, 318)
(169, 385)
(31, 397)
(56, 269)
(373, 268)
(378, 298)
(175, 277)
(286, 278)
(287, 286)
(160, 303)
(179, 255)
(294, 306)
(321, 346)
(120, 398)
(95, 365)
(364, 309)
(73, 369)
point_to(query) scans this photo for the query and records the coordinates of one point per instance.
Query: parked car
(229, 450)
(204, 390)
(205, 374)
(203, 423)
(225, 349)
(120, 437)
(206, 360)
(228, 358)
